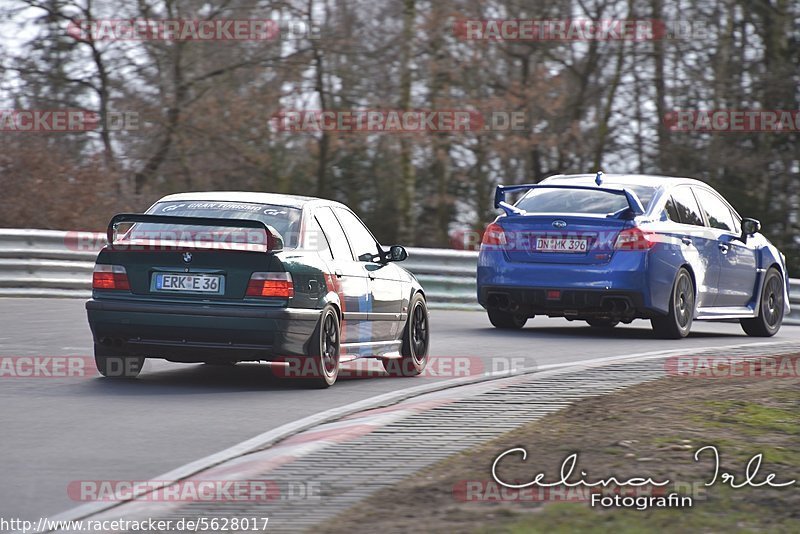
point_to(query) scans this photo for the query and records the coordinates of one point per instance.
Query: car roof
(623, 179)
(289, 201)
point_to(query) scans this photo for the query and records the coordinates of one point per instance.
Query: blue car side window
(670, 213)
(686, 206)
(718, 214)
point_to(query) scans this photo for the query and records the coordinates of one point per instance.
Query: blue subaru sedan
(608, 249)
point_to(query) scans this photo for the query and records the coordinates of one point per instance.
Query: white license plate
(195, 283)
(557, 244)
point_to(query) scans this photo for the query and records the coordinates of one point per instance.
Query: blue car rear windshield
(581, 200)
(283, 219)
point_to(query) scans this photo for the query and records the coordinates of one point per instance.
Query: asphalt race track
(57, 430)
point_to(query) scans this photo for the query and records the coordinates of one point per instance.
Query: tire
(506, 321)
(112, 365)
(416, 342)
(677, 323)
(605, 324)
(324, 349)
(770, 307)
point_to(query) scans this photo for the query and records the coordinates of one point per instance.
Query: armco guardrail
(448, 276)
(794, 301)
(48, 263)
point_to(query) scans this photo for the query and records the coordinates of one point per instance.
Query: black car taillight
(110, 277)
(270, 285)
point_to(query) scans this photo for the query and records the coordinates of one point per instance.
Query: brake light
(270, 285)
(494, 235)
(635, 239)
(110, 277)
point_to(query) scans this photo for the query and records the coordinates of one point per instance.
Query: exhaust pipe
(616, 306)
(502, 302)
(499, 301)
(112, 342)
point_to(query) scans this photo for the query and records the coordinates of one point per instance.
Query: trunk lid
(190, 258)
(552, 238)
(147, 268)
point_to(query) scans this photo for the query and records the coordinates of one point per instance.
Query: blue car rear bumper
(631, 283)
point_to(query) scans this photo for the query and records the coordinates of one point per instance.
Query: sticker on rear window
(228, 206)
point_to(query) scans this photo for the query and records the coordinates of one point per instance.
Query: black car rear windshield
(284, 219)
(582, 200)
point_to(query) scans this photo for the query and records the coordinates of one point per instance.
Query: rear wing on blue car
(500, 195)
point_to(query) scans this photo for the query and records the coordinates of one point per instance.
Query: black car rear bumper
(200, 332)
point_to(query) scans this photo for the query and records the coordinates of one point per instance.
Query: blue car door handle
(723, 248)
(686, 240)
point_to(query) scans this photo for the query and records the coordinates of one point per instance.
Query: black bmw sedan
(225, 277)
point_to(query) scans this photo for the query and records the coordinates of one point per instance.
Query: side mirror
(750, 227)
(396, 253)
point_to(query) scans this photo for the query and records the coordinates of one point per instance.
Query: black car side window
(334, 233)
(364, 246)
(686, 206)
(317, 239)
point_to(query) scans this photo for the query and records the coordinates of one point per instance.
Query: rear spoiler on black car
(500, 195)
(274, 239)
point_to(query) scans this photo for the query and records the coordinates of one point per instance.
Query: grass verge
(651, 430)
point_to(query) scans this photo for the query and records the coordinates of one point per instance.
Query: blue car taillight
(494, 235)
(635, 239)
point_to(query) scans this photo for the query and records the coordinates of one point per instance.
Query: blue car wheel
(770, 309)
(677, 323)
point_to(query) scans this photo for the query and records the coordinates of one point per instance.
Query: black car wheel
(770, 309)
(678, 321)
(506, 320)
(416, 339)
(602, 323)
(324, 349)
(112, 365)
